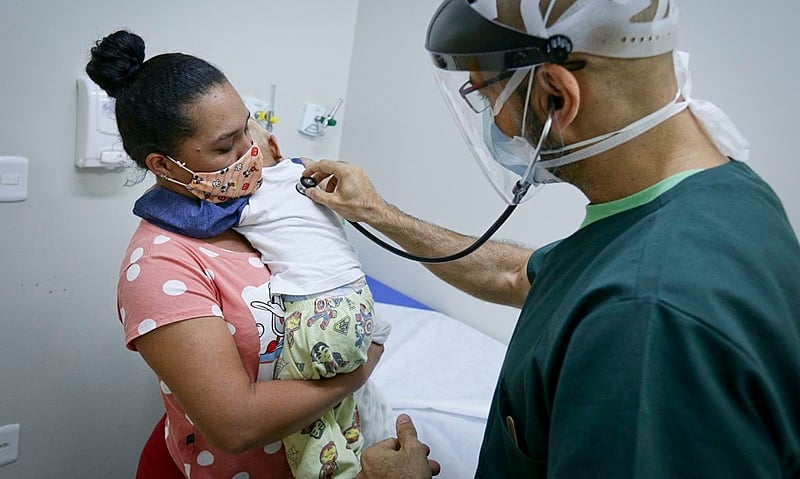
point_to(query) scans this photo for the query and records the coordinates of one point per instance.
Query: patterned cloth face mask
(241, 178)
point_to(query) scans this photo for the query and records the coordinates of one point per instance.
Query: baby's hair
(258, 133)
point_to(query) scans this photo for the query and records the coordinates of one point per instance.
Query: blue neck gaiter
(188, 216)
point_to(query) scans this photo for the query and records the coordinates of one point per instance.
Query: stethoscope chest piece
(305, 183)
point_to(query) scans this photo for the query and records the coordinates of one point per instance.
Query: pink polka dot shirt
(166, 278)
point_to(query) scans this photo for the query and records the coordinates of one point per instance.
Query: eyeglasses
(477, 101)
(471, 92)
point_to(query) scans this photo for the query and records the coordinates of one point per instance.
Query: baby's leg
(325, 336)
(321, 450)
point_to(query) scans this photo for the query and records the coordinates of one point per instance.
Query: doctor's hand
(403, 457)
(346, 189)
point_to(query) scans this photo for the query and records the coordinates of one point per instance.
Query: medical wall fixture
(263, 111)
(97, 140)
(314, 119)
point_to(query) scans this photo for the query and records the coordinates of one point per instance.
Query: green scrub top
(659, 342)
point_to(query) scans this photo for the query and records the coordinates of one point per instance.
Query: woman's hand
(351, 381)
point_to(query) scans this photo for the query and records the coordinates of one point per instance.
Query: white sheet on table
(442, 373)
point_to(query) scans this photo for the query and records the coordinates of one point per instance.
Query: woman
(198, 311)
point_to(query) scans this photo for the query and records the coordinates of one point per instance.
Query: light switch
(13, 178)
(9, 179)
(9, 443)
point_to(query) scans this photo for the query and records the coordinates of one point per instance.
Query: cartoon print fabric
(325, 336)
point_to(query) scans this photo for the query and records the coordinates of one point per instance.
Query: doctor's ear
(555, 102)
(558, 94)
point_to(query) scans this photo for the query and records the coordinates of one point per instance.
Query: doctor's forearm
(495, 272)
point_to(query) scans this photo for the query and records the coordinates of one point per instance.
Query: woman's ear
(557, 91)
(158, 164)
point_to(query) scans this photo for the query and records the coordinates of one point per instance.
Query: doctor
(661, 339)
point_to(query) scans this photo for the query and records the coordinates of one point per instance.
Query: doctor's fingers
(407, 434)
(352, 195)
(327, 169)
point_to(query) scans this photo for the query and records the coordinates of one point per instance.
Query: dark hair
(152, 97)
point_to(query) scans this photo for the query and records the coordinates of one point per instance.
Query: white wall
(744, 58)
(85, 403)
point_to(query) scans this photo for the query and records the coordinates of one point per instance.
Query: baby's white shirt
(303, 243)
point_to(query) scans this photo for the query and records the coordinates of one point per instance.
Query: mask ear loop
(181, 165)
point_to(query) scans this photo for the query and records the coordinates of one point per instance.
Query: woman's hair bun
(116, 59)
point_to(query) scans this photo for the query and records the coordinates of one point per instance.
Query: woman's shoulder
(159, 250)
(152, 240)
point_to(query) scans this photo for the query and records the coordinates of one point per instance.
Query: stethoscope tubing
(441, 259)
(308, 182)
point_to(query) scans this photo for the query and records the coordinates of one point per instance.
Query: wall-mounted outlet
(9, 443)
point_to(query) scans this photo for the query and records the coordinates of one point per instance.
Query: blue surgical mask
(513, 154)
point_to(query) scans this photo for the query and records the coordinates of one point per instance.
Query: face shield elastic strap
(602, 143)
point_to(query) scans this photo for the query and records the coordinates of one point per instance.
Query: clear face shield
(493, 112)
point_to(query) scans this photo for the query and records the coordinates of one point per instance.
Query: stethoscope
(309, 182)
(519, 191)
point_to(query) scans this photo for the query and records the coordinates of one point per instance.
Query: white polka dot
(255, 262)
(122, 314)
(205, 458)
(164, 388)
(160, 239)
(146, 326)
(231, 328)
(216, 311)
(188, 469)
(133, 272)
(241, 475)
(209, 274)
(272, 448)
(208, 253)
(174, 287)
(136, 254)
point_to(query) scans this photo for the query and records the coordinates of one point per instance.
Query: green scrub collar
(604, 210)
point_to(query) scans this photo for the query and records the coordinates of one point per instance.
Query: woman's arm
(199, 362)
(495, 272)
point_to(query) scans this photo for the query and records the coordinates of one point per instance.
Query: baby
(329, 311)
